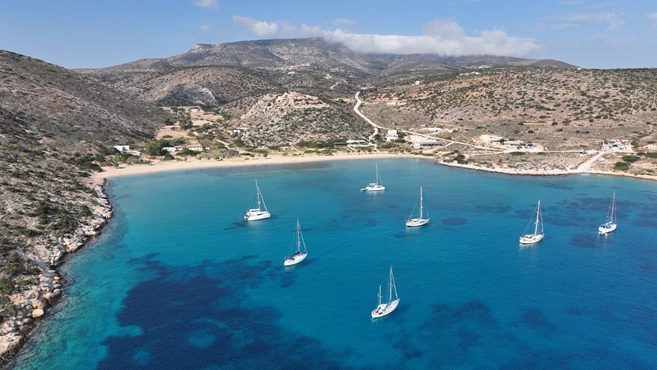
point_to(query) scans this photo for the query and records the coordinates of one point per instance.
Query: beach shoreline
(99, 181)
(197, 164)
(516, 172)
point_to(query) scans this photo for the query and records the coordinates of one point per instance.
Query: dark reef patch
(497, 209)
(454, 221)
(189, 320)
(586, 241)
(556, 185)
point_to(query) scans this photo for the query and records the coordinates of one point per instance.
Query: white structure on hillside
(357, 143)
(495, 139)
(391, 135)
(122, 148)
(195, 147)
(616, 145)
(170, 149)
(420, 142)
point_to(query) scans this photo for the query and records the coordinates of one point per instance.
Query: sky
(97, 33)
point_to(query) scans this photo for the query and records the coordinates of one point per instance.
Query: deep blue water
(178, 280)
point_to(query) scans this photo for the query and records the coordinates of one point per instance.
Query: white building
(516, 143)
(357, 143)
(122, 148)
(495, 139)
(391, 135)
(170, 149)
(195, 147)
(420, 142)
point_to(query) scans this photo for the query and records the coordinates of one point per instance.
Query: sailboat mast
(379, 295)
(377, 172)
(613, 207)
(257, 194)
(420, 202)
(298, 237)
(538, 213)
(390, 286)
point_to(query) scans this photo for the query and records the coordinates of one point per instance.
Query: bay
(178, 280)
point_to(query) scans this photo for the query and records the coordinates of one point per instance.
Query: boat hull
(606, 228)
(373, 188)
(531, 238)
(255, 215)
(294, 260)
(385, 309)
(417, 222)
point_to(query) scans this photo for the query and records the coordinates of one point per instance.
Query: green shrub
(621, 166)
(630, 158)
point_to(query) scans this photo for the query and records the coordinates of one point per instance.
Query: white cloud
(204, 28)
(443, 37)
(574, 20)
(210, 4)
(343, 22)
(653, 17)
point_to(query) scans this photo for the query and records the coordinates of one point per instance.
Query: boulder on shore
(37, 313)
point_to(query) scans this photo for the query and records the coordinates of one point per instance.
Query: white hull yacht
(300, 251)
(255, 214)
(538, 235)
(383, 309)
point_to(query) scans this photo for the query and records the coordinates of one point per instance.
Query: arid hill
(56, 125)
(561, 108)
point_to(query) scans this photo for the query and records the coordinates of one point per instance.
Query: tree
(155, 147)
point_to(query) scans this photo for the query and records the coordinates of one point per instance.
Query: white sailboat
(610, 221)
(255, 214)
(420, 221)
(538, 224)
(300, 251)
(377, 185)
(383, 309)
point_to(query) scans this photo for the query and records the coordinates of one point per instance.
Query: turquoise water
(178, 280)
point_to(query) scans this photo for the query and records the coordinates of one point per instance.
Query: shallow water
(178, 280)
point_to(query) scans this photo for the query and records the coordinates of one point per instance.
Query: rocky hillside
(285, 119)
(565, 107)
(55, 127)
(318, 54)
(216, 74)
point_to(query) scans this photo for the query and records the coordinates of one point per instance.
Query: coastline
(195, 164)
(38, 299)
(51, 283)
(516, 172)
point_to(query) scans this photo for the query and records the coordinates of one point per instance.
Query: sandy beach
(193, 164)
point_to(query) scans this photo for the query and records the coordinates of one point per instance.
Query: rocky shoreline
(554, 172)
(33, 301)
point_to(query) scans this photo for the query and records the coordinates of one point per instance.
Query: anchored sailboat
(377, 185)
(300, 251)
(255, 214)
(420, 221)
(610, 221)
(383, 309)
(538, 224)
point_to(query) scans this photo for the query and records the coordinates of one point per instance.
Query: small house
(357, 143)
(122, 148)
(391, 135)
(195, 147)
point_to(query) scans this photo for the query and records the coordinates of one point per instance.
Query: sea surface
(179, 281)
